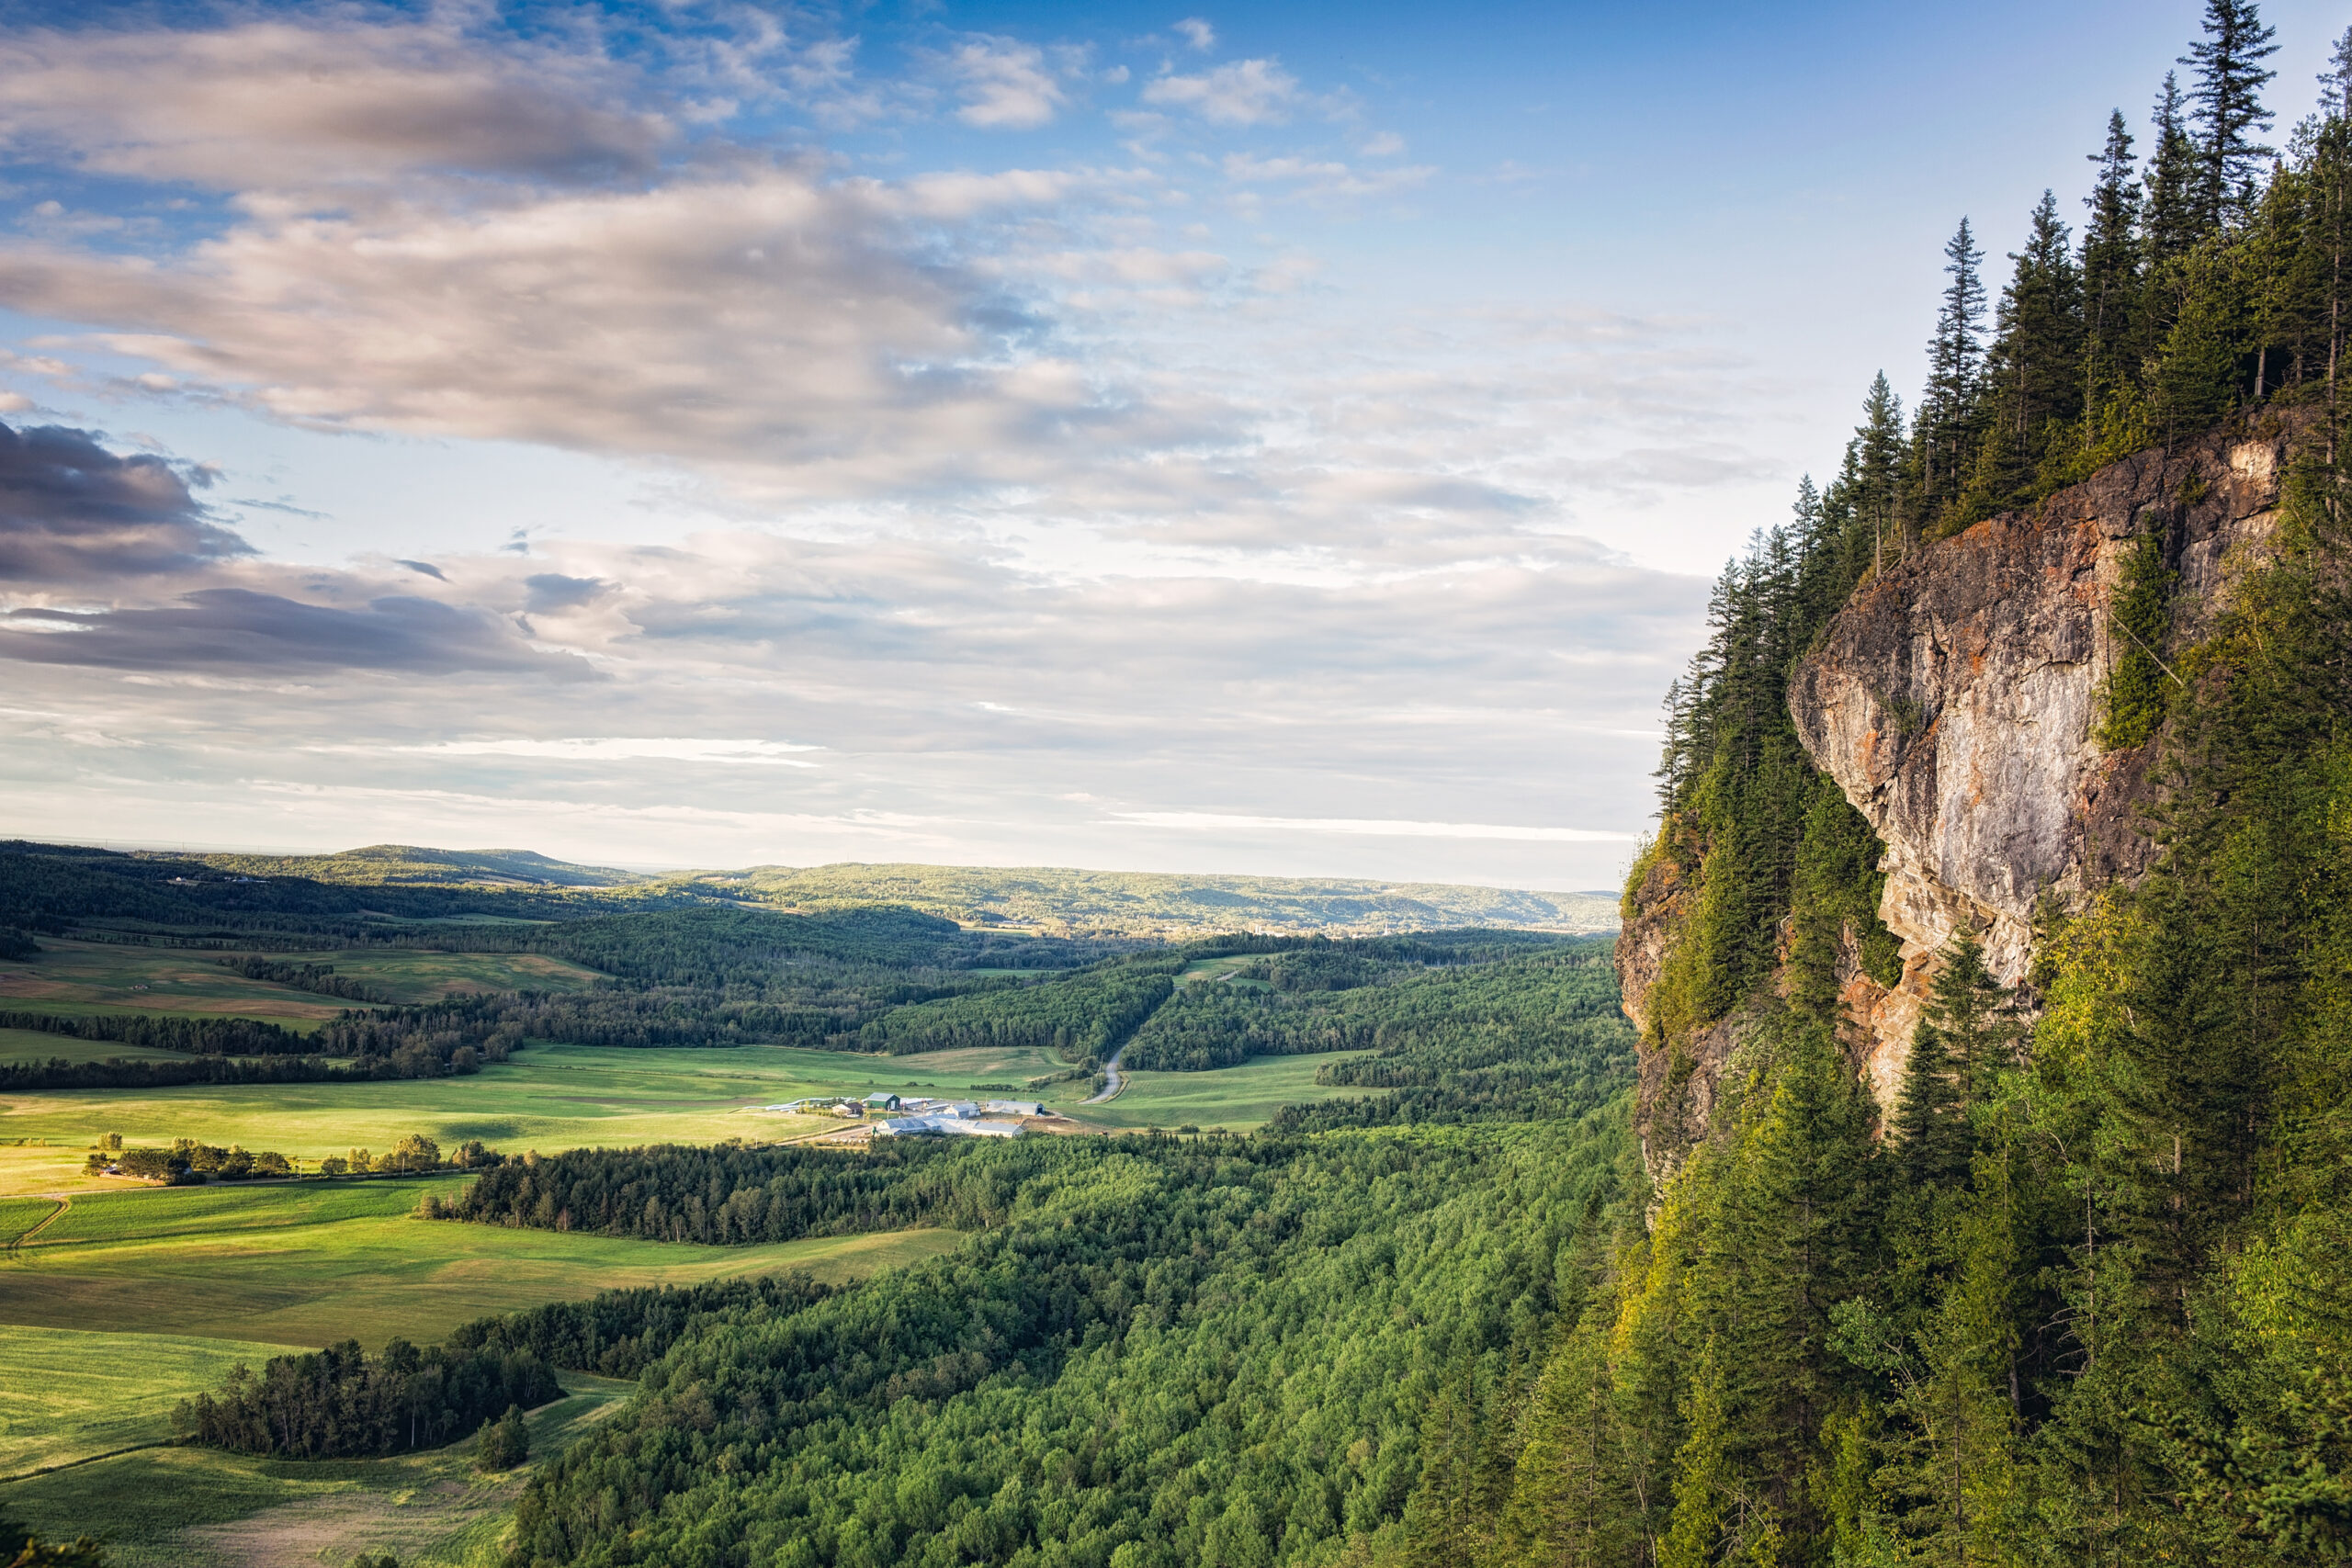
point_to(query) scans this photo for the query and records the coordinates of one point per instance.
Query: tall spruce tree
(2335, 82)
(2228, 99)
(1878, 466)
(1951, 411)
(2033, 375)
(2172, 224)
(2111, 266)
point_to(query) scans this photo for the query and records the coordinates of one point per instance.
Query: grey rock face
(1957, 697)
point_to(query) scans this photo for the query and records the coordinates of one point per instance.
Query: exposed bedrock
(1956, 700)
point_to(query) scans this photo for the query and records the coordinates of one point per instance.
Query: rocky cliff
(1956, 700)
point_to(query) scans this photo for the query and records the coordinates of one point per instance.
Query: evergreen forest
(1524, 1285)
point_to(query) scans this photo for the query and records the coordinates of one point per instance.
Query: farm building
(1014, 1106)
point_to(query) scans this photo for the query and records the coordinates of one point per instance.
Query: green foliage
(503, 1444)
(1355, 995)
(1750, 831)
(730, 1195)
(2132, 697)
(1135, 1368)
(1087, 1015)
(618, 1334)
(336, 1403)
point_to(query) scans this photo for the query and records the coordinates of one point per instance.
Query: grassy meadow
(185, 1507)
(1238, 1099)
(548, 1098)
(69, 1394)
(32, 1045)
(311, 1263)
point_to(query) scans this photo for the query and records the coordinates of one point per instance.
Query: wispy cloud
(617, 749)
(1240, 93)
(1005, 84)
(1371, 828)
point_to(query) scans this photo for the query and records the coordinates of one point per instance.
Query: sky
(1294, 440)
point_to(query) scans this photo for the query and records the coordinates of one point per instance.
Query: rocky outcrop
(1956, 700)
(1676, 1098)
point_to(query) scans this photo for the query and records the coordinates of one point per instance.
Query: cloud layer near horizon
(1031, 512)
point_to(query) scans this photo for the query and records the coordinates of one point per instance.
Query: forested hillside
(2074, 1289)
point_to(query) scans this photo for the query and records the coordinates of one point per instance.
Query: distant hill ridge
(1055, 900)
(412, 864)
(1061, 901)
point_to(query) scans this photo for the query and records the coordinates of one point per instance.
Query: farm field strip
(66, 1394)
(78, 978)
(1238, 1099)
(549, 1096)
(35, 1045)
(144, 1213)
(186, 1507)
(377, 1277)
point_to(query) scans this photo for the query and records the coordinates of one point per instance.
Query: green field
(185, 1507)
(82, 977)
(558, 1097)
(314, 1262)
(1237, 1099)
(548, 1098)
(32, 1045)
(67, 1395)
(136, 1211)
(412, 975)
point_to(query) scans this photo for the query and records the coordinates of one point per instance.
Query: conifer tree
(2111, 266)
(2335, 83)
(2171, 222)
(2228, 95)
(1878, 465)
(2034, 373)
(1929, 1137)
(1948, 412)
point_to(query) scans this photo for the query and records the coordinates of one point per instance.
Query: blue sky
(1291, 441)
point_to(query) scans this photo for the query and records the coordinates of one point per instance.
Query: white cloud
(1321, 177)
(1373, 828)
(1006, 84)
(1245, 92)
(277, 103)
(1196, 32)
(614, 748)
(764, 322)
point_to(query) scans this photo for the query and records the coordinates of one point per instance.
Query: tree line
(732, 1195)
(1087, 1015)
(339, 1403)
(318, 978)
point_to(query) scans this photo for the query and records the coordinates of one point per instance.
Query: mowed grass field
(548, 1098)
(33, 1045)
(67, 1395)
(82, 977)
(554, 1097)
(311, 1263)
(185, 1507)
(1237, 1099)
